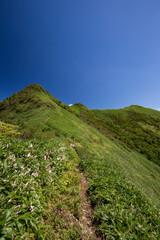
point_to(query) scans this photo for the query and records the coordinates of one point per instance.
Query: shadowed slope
(134, 127)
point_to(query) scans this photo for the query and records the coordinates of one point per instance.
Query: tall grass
(120, 210)
(30, 174)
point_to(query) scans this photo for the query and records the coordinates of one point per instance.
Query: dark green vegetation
(120, 211)
(39, 185)
(40, 158)
(134, 127)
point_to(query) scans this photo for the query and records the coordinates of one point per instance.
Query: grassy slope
(46, 182)
(52, 118)
(135, 127)
(139, 109)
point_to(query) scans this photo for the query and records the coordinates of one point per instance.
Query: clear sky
(102, 53)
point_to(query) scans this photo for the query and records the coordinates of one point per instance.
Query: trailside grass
(124, 186)
(39, 187)
(120, 210)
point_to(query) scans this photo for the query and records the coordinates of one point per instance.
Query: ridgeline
(47, 149)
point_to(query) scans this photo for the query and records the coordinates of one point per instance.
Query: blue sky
(102, 53)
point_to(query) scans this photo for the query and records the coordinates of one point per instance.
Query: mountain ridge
(133, 127)
(44, 144)
(39, 88)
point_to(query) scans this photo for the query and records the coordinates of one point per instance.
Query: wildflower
(11, 157)
(45, 158)
(26, 184)
(5, 180)
(72, 145)
(31, 145)
(61, 149)
(15, 165)
(27, 171)
(14, 184)
(32, 208)
(17, 212)
(34, 174)
(28, 155)
(18, 206)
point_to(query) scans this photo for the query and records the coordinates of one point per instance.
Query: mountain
(134, 127)
(116, 151)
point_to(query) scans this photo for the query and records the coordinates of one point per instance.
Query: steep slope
(39, 114)
(34, 110)
(134, 127)
(113, 172)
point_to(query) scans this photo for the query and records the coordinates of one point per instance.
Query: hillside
(60, 145)
(134, 127)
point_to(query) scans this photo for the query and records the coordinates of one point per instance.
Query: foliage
(8, 130)
(30, 173)
(128, 127)
(120, 211)
(39, 174)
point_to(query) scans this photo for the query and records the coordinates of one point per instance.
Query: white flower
(72, 145)
(11, 157)
(15, 165)
(32, 208)
(61, 149)
(14, 184)
(31, 145)
(28, 155)
(34, 174)
(18, 206)
(26, 184)
(5, 180)
(27, 171)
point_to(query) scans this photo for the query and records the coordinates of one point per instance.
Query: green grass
(134, 167)
(8, 130)
(35, 179)
(127, 127)
(120, 211)
(136, 108)
(124, 184)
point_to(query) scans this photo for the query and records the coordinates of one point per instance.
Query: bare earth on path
(89, 230)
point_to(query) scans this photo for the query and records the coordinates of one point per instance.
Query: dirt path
(89, 230)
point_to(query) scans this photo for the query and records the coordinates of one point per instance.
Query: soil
(89, 230)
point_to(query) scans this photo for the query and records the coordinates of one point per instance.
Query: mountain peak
(28, 95)
(35, 87)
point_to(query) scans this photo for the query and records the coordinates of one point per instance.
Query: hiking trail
(89, 230)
